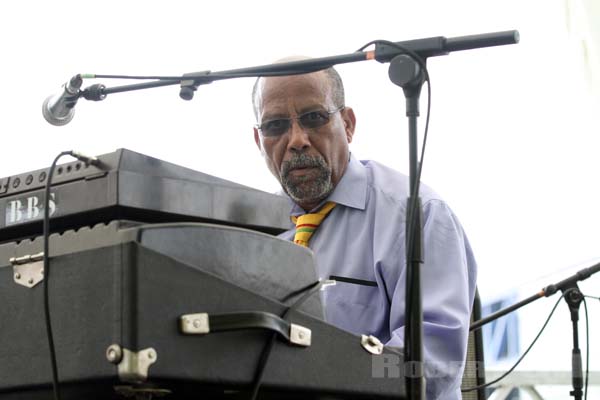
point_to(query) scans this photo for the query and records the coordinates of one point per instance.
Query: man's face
(308, 162)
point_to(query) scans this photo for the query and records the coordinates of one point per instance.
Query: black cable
(46, 258)
(46, 274)
(587, 347)
(264, 357)
(422, 64)
(140, 77)
(592, 297)
(310, 290)
(415, 189)
(297, 292)
(523, 355)
(209, 77)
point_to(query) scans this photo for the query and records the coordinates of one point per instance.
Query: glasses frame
(298, 118)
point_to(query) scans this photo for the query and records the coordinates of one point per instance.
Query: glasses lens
(309, 120)
(276, 127)
(314, 119)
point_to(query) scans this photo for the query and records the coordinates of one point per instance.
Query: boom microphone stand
(573, 297)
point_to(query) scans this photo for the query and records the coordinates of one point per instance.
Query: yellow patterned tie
(307, 224)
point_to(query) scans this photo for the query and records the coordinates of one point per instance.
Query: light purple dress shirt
(364, 238)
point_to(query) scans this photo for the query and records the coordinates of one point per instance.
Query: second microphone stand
(573, 298)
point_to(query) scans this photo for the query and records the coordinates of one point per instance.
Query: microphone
(59, 109)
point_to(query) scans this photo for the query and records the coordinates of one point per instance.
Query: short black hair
(337, 90)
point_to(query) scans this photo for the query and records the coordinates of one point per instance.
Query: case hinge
(28, 270)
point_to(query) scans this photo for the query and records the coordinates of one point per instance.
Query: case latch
(133, 366)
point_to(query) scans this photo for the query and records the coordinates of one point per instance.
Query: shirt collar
(351, 190)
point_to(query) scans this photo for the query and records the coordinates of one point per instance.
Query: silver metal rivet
(197, 323)
(114, 354)
(17, 276)
(30, 281)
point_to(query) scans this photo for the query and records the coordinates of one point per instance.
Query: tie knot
(307, 224)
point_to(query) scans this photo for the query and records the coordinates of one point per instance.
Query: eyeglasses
(310, 120)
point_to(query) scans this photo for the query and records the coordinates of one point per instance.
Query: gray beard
(301, 191)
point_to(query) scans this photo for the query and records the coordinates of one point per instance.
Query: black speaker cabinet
(118, 291)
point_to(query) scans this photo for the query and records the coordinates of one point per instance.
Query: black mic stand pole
(407, 73)
(573, 297)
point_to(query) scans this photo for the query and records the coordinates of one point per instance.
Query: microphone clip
(94, 92)
(191, 82)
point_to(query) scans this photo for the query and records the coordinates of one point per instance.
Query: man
(304, 131)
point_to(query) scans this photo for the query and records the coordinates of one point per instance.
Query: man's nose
(298, 138)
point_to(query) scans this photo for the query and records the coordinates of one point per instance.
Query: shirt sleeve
(448, 279)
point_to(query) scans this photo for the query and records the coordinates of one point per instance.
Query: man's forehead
(303, 88)
(312, 81)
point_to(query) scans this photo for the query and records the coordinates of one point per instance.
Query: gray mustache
(302, 161)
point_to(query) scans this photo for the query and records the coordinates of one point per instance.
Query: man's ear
(349, 122)
(257, 140)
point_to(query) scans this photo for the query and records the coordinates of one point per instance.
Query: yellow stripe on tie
(307, 224)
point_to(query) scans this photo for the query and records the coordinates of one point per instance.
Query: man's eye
(275, 124)
(275, 127)
(314, 119)
(315, 116)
